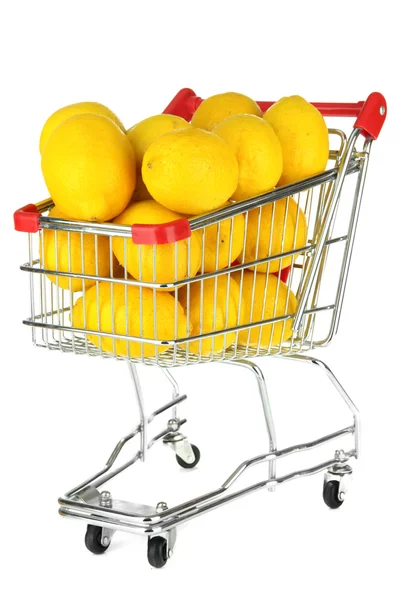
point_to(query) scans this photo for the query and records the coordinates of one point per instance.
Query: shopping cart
(316, 271)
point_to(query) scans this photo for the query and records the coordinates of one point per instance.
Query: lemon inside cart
(269, 299)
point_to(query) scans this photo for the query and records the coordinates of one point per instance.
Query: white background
(61, 414)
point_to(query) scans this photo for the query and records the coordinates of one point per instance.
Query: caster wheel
(93, 540)
(331, 494)
(157, 553)
(196, 461)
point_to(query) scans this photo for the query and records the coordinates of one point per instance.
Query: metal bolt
(340, 455)
(173, 425)
(161, 506)
(170, 553)
(106, 499)
(382, 110)
(341, 496)
(106, 541)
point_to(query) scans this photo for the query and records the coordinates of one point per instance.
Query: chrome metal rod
(269, 421)
(115, 472)
(323, 230)
(351, 237)
(175, 386)
(143, 420)
(286, 452)
(160, 522)
(198, 510)
(354, 410)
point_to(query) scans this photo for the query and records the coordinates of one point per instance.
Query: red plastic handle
(26, 219)
(370, 114)
(163, 233)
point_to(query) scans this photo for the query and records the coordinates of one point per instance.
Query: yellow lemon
(141, 192)
(269, 233)
(143, 134)
(265, 297)
(164, 263)
(216, 108)
(190, 171)
(65, 251)
(303, 135)
(211, 305)
(71, 110)
(110, 308)
(89, 168)
(258, 152)
(224, 239)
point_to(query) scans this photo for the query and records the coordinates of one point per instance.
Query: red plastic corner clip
(26, 219)
(372, 115)
(163, 233)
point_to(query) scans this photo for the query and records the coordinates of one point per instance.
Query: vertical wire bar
(127, 344)
(111, 259)
(231, 234)
(71, 295)
(176, 278)
(155, 300)
(246, 221)
(143, 419)
(254, 279)
(57, 287)
(140, 256)
(43, 279)
(32, 286)
(84, 307)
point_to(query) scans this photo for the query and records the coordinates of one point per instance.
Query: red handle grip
(26, 219)
(370, 114)
(162, 233)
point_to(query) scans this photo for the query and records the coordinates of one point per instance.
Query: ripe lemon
(89, 168)
(211, 305)
(141, 192)
(216, 108)
(190, 171)
(265, 297)
(62, 251)
(217, 240)
(132, 312)
(269, 220)
(258, 152)
(71, 110)
(303, 135)
(143, 134)
(164, 263)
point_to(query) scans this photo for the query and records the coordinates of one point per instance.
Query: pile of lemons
(160, 170)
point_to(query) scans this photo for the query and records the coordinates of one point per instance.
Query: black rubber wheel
(93, 539)
(186, 465)
(331, 494)
(157, 552)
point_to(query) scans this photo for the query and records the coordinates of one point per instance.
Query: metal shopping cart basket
(315, 269)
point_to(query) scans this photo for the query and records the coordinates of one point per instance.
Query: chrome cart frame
(320, 194)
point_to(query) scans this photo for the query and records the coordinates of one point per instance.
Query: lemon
(143, 134)
(141, 192)
(303, 135)
(268, 233)
(164, 263)
(71, 110)
(258, 152)
(211, 305)
(223, 242)
(216, 108)
(190, 171)
(264, 297)
(65, 251)
(89, 168)
(128, 310)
